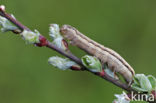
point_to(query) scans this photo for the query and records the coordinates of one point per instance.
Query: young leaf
(145, 83)
(136, 81)
(61, 63)
(31, 37)
(142, 83)
(54, 33)
(152, 80)
(92, 63)
(138, 88)
(6, 24)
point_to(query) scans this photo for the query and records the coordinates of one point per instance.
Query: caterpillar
(106, 55)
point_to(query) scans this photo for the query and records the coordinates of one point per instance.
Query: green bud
(138, 88)
(145, 83)
(60, 43)
(56, 36)
(54, 31)
(92, 63)
(61, 63)
(6, 24)
(136, 81)
(31, 37)
(152, 80)
(142, 83)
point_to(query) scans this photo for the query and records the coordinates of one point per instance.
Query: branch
(68, 55)
(45, 43)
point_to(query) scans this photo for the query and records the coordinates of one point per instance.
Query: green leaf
(54, 33)
(61, 63)
(141, 81)
(138, 88)
(136, 81)
(92, 63)
(145, 83)
(152, 80)
(6, 24)
(31, 37)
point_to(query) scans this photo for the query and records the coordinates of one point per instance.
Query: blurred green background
(127, 26)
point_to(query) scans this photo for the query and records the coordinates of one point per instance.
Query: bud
(76, 68)
(138, 88)
(122, 98)
(152, 80)
(6, 25)
(60, 43)
(56, 37)
(92, 63)
(43, 41)
(2, 7)
(143, 83)
(61, 63)
(54, 31)
(31, 37)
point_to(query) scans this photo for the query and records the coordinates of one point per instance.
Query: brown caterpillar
(115, 62)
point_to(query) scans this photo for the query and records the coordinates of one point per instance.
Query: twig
(78, 61)
(68, 55)
(46, 43)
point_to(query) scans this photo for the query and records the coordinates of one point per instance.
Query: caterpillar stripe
(105, 55)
